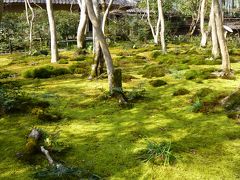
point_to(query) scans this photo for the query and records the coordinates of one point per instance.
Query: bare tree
(162, 32)
(221, 39)
(98, 65)
(81, 32)
(52, 29)
(30, 23)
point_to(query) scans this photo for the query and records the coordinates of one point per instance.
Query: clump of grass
(159, 153)
(46, 115)
(137, 93)
(180, 92)
(157, 83)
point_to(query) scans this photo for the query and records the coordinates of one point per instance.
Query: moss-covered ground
(107, 139)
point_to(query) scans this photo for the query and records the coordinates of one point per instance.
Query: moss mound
(205, 100)
(200, 74)
(232, 105)
(63, 61)
(45, 72)
(127, 78)
(157, 83)
(180, 92)
(151, 71)
(80, 68)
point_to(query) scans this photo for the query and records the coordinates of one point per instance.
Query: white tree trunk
(154, 33)
(203, 32)
(106, 13)
(52, 29)
(100, 37)
(30, 23)
(215, 44)
(222, 41)
(162, 32)
(81, 32)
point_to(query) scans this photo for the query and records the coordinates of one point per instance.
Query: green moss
(63, 61)
(107, 139)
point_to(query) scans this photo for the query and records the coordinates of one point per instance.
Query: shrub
(137, 93)
(41, 52)
(157, 83)
(159, 153)
(180, 92)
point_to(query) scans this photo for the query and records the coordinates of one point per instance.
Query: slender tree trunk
(81, 32)
(106, 13)
(52, 29)
(103, 44)
(195, 19)
(30, 23)
(1, 9)
(154, 33)
(215, 43)
(222, 41)
(202, 17)
(162, 32)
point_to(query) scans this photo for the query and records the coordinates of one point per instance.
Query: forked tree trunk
(102, 41)
(81, 32)
(221, 39)
(202, 17)
(155, 32)
(52, 29)
(215, 44)
(162, 32)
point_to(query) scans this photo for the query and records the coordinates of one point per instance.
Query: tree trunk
(30, 23)
(203, 32)
(81, 32)
(215, 44)
(103, 44)
(222, 41)
(106, 13)
(154, 33)
(162, 32)
(52, 29)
